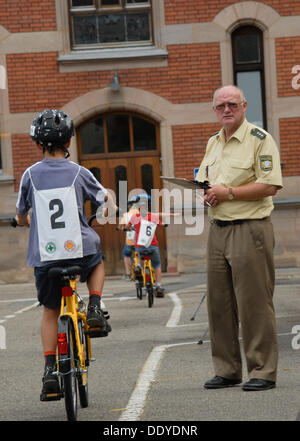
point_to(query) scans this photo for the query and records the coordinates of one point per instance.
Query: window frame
(97, 10)
(131, 152)
(251, 66)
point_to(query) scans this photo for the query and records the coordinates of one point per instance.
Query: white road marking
(138, 398)
(27, 308)
(137, 401)
(175, 314)
(136, 404)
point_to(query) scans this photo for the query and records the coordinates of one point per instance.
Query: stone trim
(77, 60)
(264, 17)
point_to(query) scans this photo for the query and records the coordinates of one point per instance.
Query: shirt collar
(239, 134)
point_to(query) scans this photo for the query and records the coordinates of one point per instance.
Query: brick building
(169, 57)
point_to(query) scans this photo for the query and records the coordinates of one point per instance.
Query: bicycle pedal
(51, 397)
(97, 332)
(106, 314)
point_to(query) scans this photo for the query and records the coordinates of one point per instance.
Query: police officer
(243, 167)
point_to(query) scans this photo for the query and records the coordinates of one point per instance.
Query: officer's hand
(216, 194)
(210, 198)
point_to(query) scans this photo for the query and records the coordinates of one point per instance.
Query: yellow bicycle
(73, 340)
(73, 343)
(145, 279)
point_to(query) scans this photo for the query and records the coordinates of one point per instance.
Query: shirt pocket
(240, 172)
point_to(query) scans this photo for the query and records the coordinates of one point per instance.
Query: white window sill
(113, 54)
(5, 179)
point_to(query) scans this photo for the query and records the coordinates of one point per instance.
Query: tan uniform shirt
(249, 156)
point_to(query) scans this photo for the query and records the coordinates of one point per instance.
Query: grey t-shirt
(55, 174)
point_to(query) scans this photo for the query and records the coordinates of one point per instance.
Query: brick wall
(287, 56)
(192, 75)
(35, 83)
(290, 143)
(189, 144)
(25, 153)
(176, 11)
(28, 16)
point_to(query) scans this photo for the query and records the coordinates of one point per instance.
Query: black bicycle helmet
(52, 128)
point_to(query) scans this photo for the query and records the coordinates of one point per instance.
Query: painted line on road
(136, 404)
(20, 311)
(138, 398)
(137, 401)
(176, 312)
(121, 299)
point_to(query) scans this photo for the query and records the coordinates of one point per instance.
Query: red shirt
(136, 221)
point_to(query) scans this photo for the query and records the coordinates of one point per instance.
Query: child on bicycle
(129, 246)
(142, 202)
(55, 189)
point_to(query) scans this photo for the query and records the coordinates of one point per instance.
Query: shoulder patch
(266, 162)
(214, 134)
(258, 133)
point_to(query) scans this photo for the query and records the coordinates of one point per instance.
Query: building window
(248, 69)
(110, 23)
(147, 178)
(97, 173)
(118, 133)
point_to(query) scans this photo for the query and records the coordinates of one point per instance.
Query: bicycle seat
(66, 271)
(146, 253)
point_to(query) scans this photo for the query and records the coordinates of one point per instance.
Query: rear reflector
(62, 343)
(67, 291)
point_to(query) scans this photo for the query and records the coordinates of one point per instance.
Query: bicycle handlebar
(90, 220)
(14, 224)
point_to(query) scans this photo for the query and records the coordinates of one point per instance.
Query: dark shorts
(49, 289)
(128, 250)
(153, 254)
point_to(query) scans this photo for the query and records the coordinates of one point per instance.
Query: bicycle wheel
(139, 290)
(150, 295)
(83, 374)
(67, 366)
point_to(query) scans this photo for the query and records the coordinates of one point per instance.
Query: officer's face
(229, 107)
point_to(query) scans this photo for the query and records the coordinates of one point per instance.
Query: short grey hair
(238, 89)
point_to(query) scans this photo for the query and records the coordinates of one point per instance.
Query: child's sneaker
(95, 317)
(50, 380)
(160, 292)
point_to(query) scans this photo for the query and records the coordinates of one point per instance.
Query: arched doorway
(121, 146)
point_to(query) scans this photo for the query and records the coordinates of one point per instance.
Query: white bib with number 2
(58, 223)
(146, 233)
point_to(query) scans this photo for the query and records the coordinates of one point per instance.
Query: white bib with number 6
(58, 223)
(146, 233)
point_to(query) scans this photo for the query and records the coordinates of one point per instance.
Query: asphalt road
(151, 367)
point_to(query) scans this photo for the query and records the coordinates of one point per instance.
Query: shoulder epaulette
(258, 133)
(214, 134)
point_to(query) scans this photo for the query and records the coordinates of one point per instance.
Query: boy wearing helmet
(55, 189)
(129, 246)
(151, 220)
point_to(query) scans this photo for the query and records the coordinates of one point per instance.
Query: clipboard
(186, 183)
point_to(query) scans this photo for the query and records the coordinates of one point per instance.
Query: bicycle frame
(147, 264)
(134, 264)
(69, 307)
(146, 280)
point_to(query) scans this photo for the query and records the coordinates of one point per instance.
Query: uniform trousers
(240, 291)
